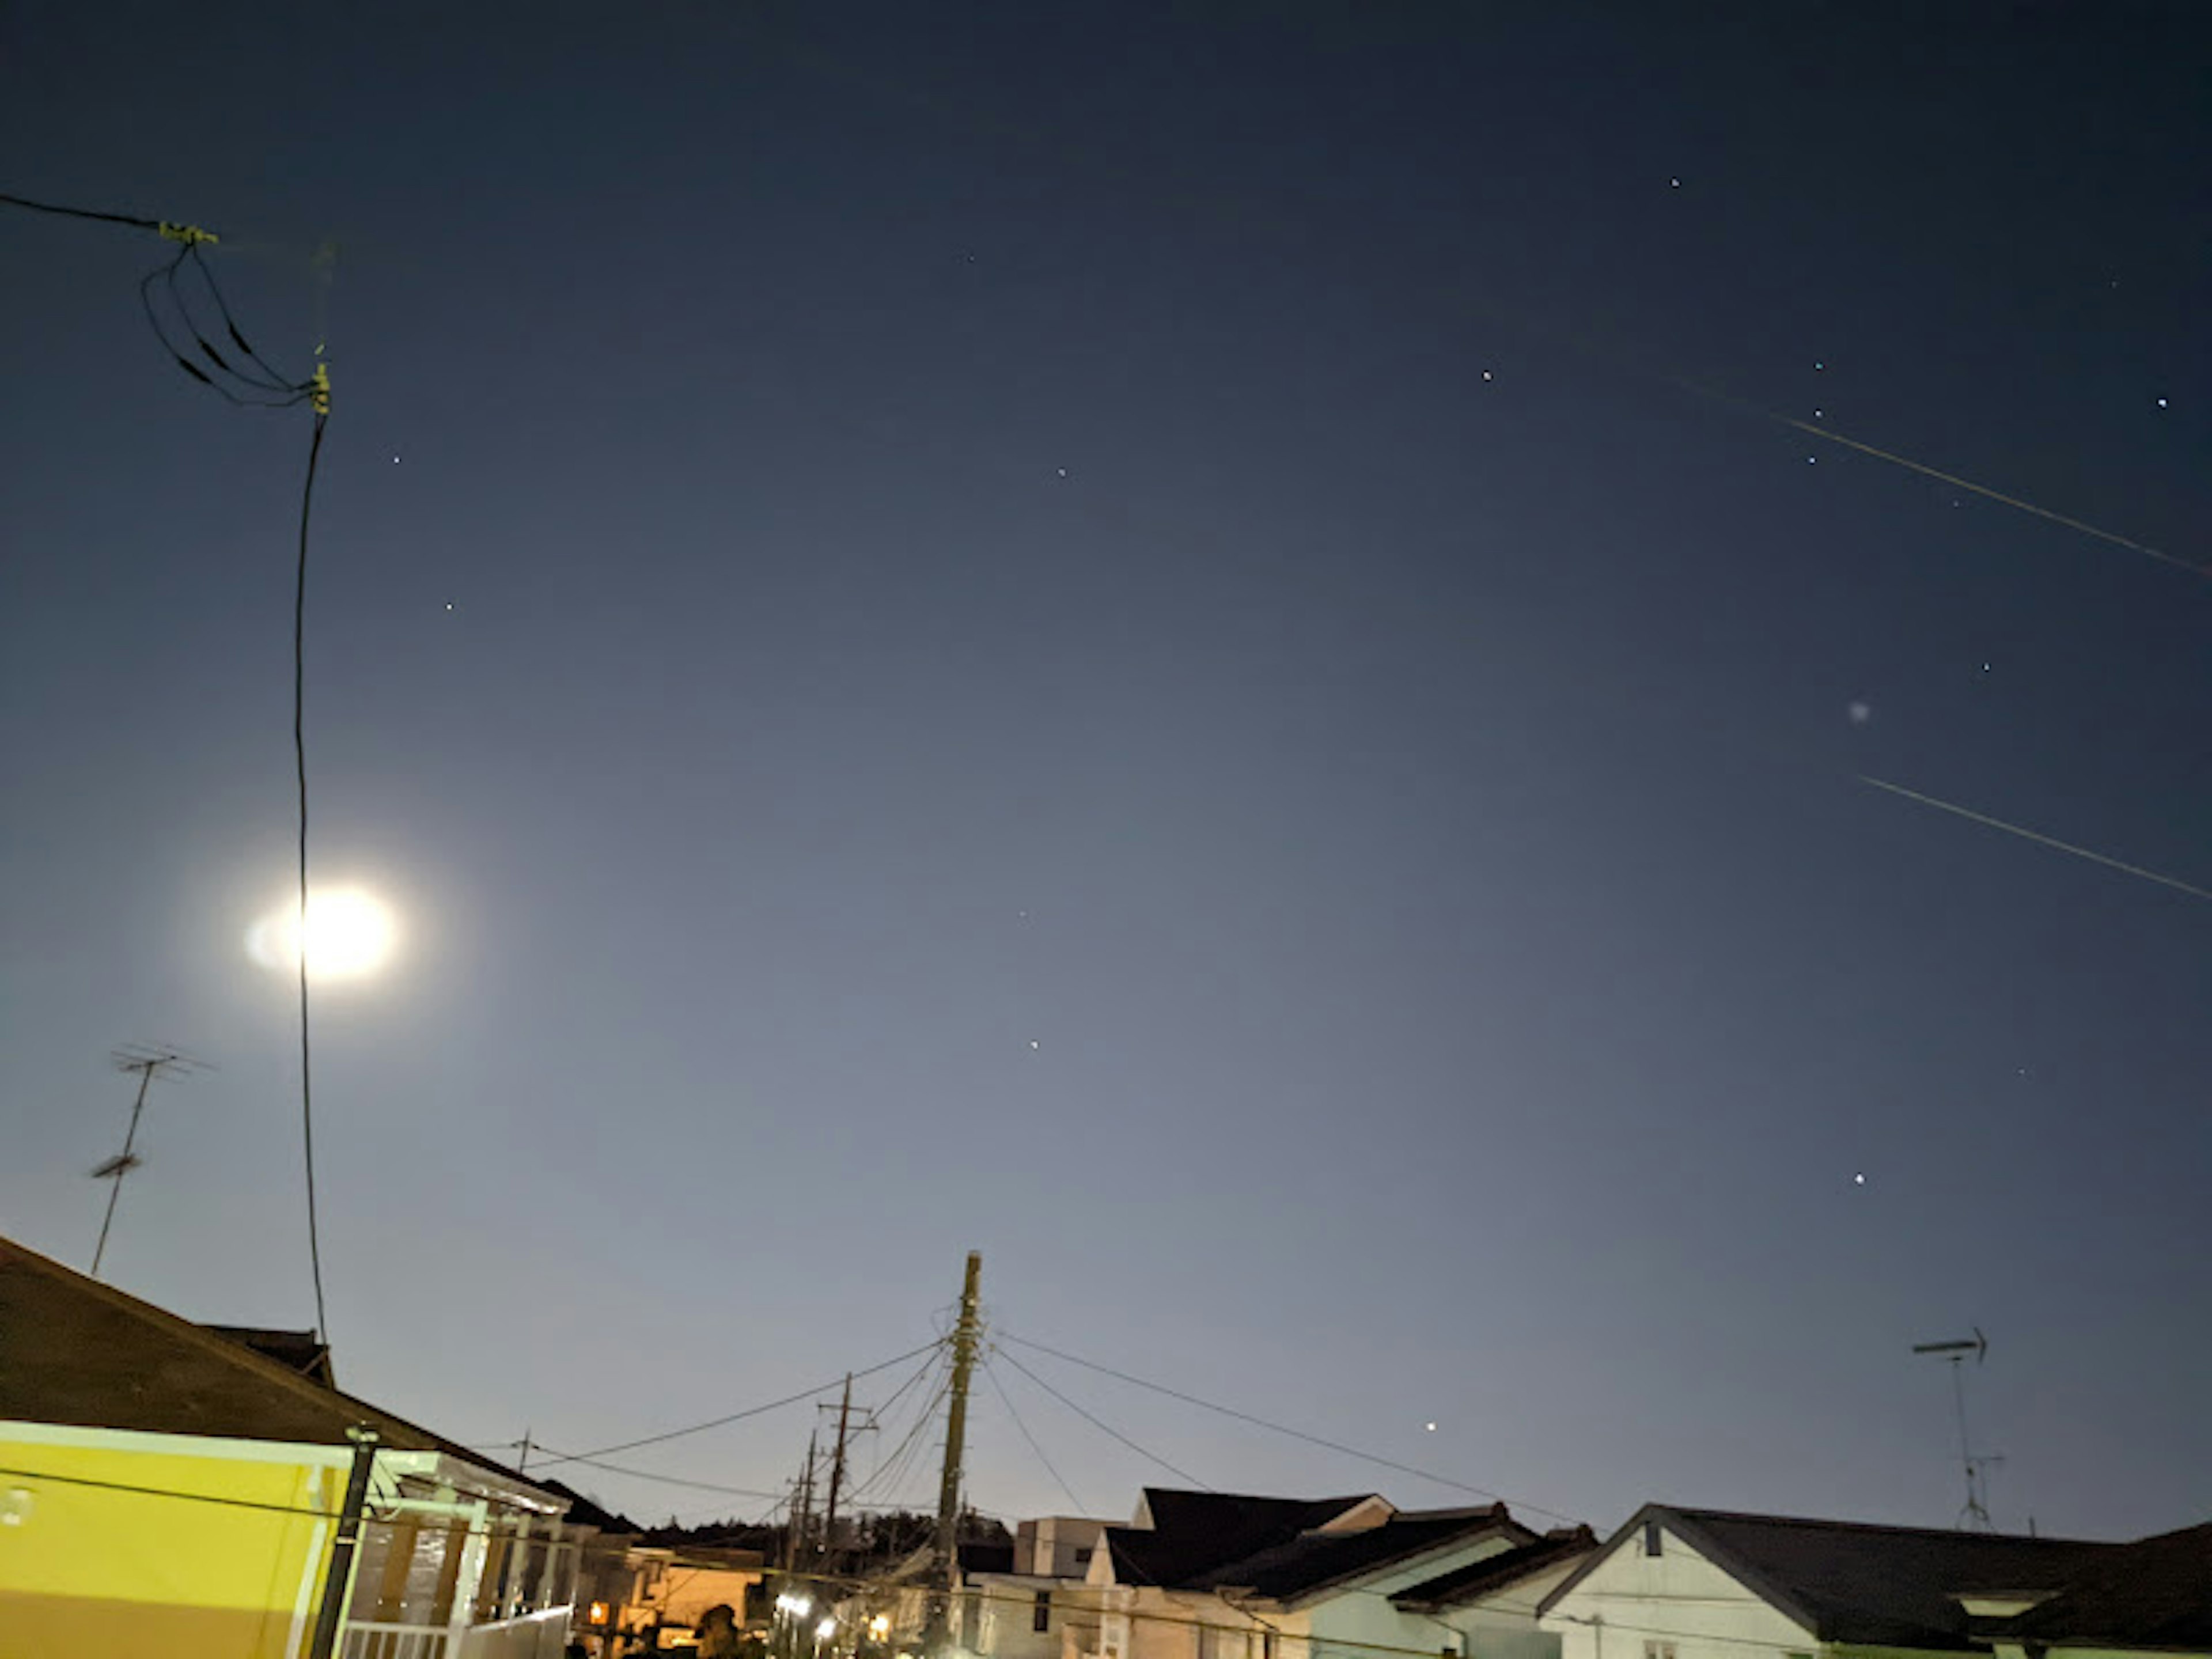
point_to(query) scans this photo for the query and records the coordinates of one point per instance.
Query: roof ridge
(1872, 1527)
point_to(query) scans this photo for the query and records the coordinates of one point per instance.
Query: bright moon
(349, 935)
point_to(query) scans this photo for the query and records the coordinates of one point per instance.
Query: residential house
(170, 1488)
(1035, 1604)
(2151, 1596)
(1682, 1583)
(1232, 1575)
(1490, 1606)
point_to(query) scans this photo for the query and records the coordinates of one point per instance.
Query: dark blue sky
(1105, 634)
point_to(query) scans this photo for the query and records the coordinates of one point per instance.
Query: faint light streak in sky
(2040, 838)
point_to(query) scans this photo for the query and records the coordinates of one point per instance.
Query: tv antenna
(148, 1060)
(1975, 1515)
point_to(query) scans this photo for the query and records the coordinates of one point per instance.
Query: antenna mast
(1974, 1516)
(148, 1062)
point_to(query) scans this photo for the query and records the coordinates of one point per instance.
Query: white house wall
(1364, 1614)
(1679, 1596)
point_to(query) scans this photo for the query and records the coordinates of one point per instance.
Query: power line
(738, 1417)
(1295, 1434)
(2037, 837)
(300, 761)
(664, 1480)
(886, 1477)
(1000, 1388)
(82, 213)
(1102, 1427)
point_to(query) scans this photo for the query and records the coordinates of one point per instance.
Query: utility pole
(148, 1063)
(967, 1337)
(837, 1480)
(338, 1578)
(802, 1519)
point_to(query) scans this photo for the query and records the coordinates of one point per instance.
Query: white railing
(533, 1636)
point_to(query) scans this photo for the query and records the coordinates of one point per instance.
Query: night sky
(1184, 644)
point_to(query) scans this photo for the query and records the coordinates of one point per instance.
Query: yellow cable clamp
(319, 396)
(190, 235)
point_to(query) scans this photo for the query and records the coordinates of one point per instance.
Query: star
(1432, 1428)
(1033, 1043)
(1812, 460)
(1858, 1180)
(395, 460)
(449, 604)
(1063, 471)
(1818, 366)
(1861, 713)
(2161, 403)
(1677, 184)
(1486, 374)
(1818, 413)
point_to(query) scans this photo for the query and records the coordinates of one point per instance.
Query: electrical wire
(135, 224)
(1102, 1427)
(662, 1479)
(888, 1475)
(300, 764)
(1295, 1434)
(1000, 1388)
(750, 1411)
(890, 1467)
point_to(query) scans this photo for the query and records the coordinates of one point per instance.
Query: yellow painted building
(167, 1489)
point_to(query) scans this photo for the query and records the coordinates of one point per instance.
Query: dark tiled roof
(1314, 1561)
(1195, 1532)
(1870, 1585)
(74, 1351)
(2155, 1592)
(586, 1513)
(1496, 1572)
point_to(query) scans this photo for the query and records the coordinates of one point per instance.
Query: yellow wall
(92, 1574)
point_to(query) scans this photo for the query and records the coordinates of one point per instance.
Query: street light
(825, 1630)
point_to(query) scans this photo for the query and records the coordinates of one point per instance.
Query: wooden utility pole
(967, 1337)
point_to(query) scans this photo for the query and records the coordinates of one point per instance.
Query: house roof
(2155, 1593)
(1314, 1562)
(301, 1350)
(81, 1353)
(986, 1558)
(1850, 1582)
(583, 1512)
(1195, 1532)
(1496, 1572)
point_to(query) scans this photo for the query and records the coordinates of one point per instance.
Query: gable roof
(1847, 1581)
(81, 1353)
(1195, 1532)
(1313, 1563)
(1496, 1572)
(2155, 1593)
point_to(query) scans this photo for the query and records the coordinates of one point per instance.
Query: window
(1040, 1613)
(1658, 1651)
(1651, 1543)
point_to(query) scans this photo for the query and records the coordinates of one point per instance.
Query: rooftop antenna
(1975, 1515)
(148, 1060)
